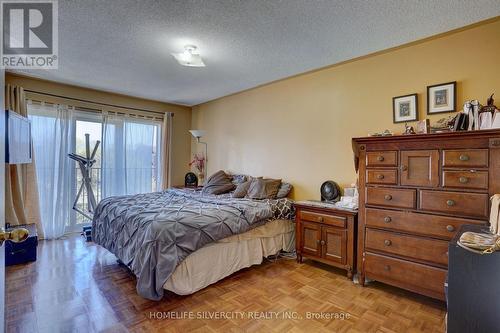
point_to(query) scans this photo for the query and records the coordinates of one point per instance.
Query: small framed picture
(404, 108)
(442, 98)
(423, 126)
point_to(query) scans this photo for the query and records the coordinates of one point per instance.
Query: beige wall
(182, 115)
(300, 129)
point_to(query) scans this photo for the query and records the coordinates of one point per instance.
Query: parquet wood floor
(78, 287)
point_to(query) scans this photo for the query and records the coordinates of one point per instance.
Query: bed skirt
(221, 259)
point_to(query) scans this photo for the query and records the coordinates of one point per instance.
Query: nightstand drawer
(425, 249)
(391, 197)
(382, 158)
(382, 176)
(334, 220)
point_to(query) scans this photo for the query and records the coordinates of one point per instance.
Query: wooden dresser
(327, 235)
(415, 193)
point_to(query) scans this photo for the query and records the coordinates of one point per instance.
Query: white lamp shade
(197, 133)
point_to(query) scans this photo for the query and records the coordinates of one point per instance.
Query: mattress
(218, 260)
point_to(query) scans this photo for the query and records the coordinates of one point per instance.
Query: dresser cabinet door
(334, 244)
(420, 168)
(311, 238)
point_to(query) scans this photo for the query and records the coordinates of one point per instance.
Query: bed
(182, 240)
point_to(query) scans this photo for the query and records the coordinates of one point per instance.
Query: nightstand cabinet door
(311, 238)
(334, 244)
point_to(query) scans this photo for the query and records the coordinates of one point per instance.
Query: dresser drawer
(466, 204)
(391, 197)
(416, 223)
(382, 176)
(466, 179)
(334, 220)
(466, 158)
(419, 248)
(382, 158)
(416, 277)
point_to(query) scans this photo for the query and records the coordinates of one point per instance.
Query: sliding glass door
(130, 156)
(126, 162)
(85, 123)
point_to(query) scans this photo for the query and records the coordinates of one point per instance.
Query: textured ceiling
(124, 46)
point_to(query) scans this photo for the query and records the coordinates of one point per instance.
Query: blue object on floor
(20, 253)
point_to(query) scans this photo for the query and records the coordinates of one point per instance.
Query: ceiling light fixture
(190, 57)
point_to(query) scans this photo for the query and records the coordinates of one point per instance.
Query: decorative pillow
(263, 188)
(218, 183)
(238, 179)
(284, 190)
(242, 189)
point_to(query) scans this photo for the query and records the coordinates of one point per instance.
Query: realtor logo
(29, 34)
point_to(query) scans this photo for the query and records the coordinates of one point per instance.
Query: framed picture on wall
(442, 98)
(404, 108)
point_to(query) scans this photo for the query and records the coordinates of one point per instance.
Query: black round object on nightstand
(190, 180)
(330, 191)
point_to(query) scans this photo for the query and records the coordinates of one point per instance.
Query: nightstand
(327, 235)
(188, 187)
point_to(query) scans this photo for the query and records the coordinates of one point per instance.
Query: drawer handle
(463, 180)
(380, 177)
(404, 168)
(323, 242)
(450, 228)
(387, 267)
(388, 197)
(380, 158)
(320, 219)
(387, 219)
(387, 242)
(450, 203)
(464, 157)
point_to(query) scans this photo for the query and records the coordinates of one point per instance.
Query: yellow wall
(300, 128)
(182, 115)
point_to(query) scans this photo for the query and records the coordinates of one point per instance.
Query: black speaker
(330, 191)
(190, 180)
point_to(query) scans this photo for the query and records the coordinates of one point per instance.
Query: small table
(188, 187)
(326, 234)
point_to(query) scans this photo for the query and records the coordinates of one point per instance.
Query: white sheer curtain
(53, 133)
(130, 156)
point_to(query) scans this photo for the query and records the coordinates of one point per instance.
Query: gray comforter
(152, 233)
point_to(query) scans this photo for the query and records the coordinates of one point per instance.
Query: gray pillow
(218, 183)
(242, 189)
(263, 188)
(284, 190)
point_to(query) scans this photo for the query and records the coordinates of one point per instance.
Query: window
(85, 123)
(127, 161)
(130, 156)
